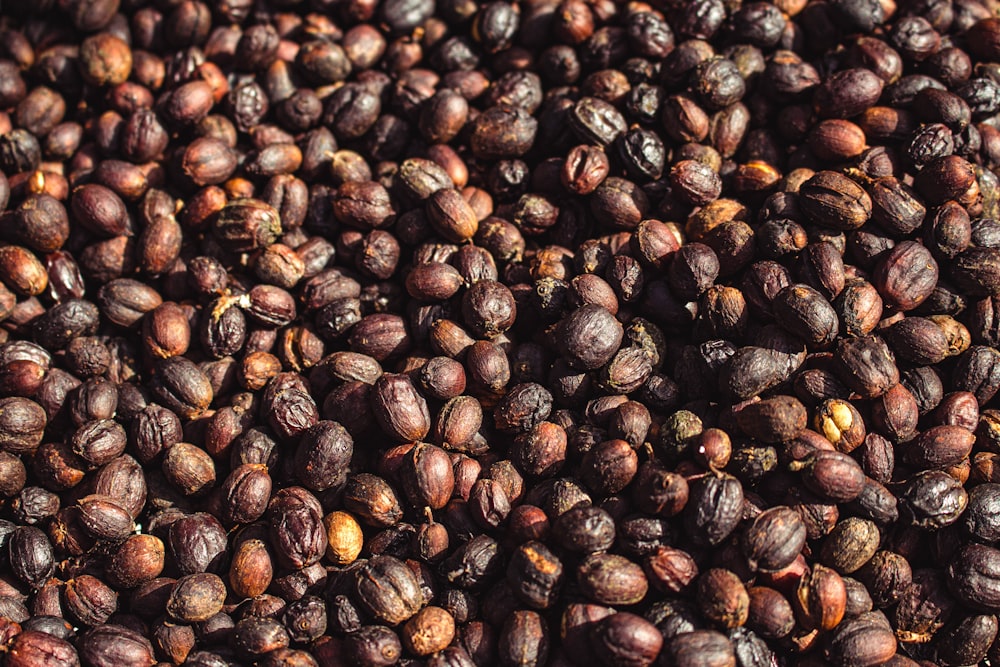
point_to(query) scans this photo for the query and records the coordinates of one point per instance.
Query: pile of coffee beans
(497, 333)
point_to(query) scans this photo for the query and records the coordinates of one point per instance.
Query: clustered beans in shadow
(458, 333)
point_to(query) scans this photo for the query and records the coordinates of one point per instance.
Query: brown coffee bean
(841, 423)
(189, 468)
(585, 529)
(591, 336)
(847, 93)
(251, 570)
(670, 570)
(374, 645)
(427, 476)
(104, 518)
(540, 451)
(388, 589)
(99, 441)
(625, 638)
(22, 425)
(850, 544)
(612, 579)
(32, 557)
(166, 331)
(137, 560)
(21, 271)
(433, 281)
(722, 598)
(105, 60)
(296, 527)
(906, 276)
(939, 447)
(372, 499)
(832, 475)
(524, 640)
(945, 178)
(100, 211)
(821, 599)
(524, 407)
(344, 538)
(821, 266)
(535, 575)
(247, 224)
(832, 200)
(770, 614)
(89, 600)
(14, 475)
(323, 456)
(584, 169)
(932, 499)
(967, 639)
(279, 265)
(835, 140)
(257, 636)
(34, 647)
(458, 422)
(713, 508)
(108, 644)
(887, 576)
(183, 387)
(502, 132)
(704, 648)
(400, 410)
(196, 597)
(804, 312)
(866, 366)
(429, 631)
(774, 419)
(971, 576)
(775, 538)
(488, 503)
(861, 642)
(977, 270)
(488, 308)
(245, 493)
(695, 182)
(451, 216)
(917, 340)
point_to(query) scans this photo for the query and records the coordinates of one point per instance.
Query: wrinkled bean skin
(448, 333)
